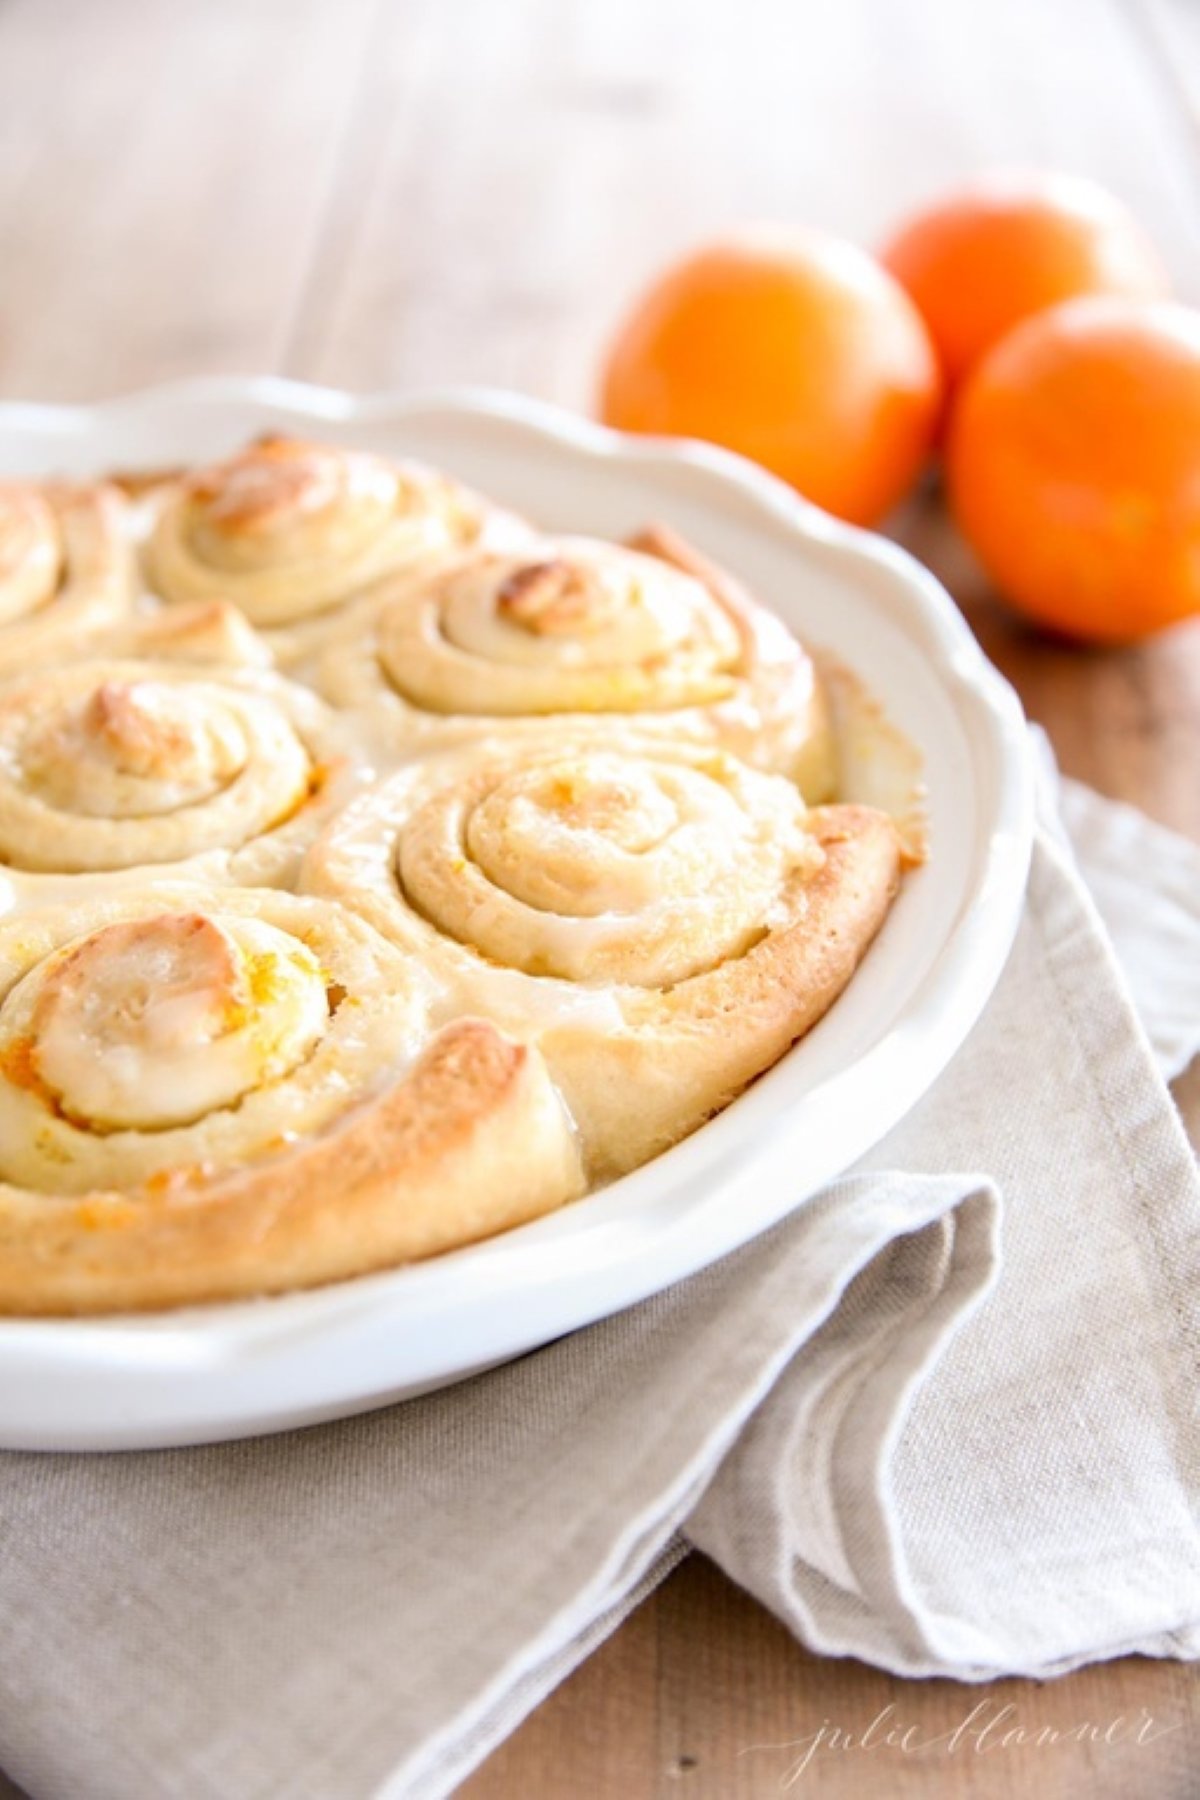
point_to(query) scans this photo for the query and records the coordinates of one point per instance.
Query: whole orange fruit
(1011, 244)
(795, 348)
(1073, 466)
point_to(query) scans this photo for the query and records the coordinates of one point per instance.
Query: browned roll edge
(687, 1053)
(472, 1141)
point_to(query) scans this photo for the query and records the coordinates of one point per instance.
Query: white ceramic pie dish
(234, 1370)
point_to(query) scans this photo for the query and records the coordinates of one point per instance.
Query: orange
(1073, 466)
(795, 348)
(1010, 245)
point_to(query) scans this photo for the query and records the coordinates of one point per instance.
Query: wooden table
(379, 192)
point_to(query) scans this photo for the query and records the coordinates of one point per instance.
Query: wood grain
(1173, 29)
(163, 181)
(1128, 721)
(508, 185)
(367, 192)
(736, 1705)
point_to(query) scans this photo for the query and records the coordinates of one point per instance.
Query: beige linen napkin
(944, 1418)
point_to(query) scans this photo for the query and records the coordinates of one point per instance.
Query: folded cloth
(943, 1418)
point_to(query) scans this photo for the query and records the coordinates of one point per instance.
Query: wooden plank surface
(164, 175)
(508, 183)
(1173, 29)
(702, 1695)
(376, 192)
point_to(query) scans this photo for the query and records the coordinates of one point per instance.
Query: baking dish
(235, 1370)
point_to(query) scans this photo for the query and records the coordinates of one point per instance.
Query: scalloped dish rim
(237, 1369)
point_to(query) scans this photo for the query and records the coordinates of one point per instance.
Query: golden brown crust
(293, 532)
(471, 1142)
(584, 634)
(205, 1096)
(685, 922)
(687, 1053)
(610, 903)
(111, 766)
(813, 762)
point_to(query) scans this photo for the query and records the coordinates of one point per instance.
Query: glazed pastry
(123, 766)
(601, 891)
(575, 629)
(66, 568)
(205, 1096)
(292, 532)
(201, 631)
(662, 921)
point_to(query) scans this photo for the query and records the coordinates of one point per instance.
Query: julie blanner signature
(987, 1729)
